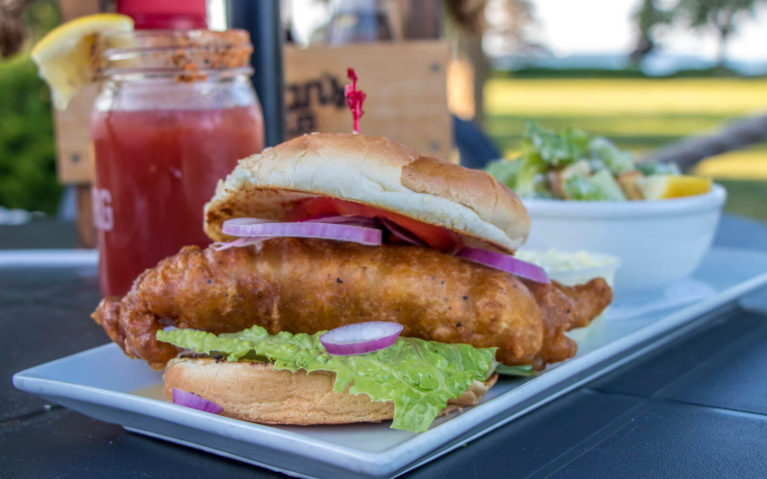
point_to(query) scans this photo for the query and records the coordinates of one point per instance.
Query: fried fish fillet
(307, 285)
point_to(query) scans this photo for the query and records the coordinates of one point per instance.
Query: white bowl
(657, 242)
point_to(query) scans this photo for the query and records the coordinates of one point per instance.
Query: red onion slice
(361, 338)
(506, 263)
(238, 243)
(401, 233)
(247, 221)
(194, 401)
(356, 234)
(344, 220)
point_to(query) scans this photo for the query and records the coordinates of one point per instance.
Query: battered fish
(307, 285)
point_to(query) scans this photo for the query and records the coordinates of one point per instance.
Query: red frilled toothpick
(354, 99)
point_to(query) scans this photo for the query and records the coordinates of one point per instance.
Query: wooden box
(74, 158)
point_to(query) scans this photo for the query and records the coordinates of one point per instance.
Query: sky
(570, 27)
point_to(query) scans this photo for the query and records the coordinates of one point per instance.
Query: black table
(695, 408)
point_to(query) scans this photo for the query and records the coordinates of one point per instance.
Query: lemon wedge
(661, 187)
(63, 56)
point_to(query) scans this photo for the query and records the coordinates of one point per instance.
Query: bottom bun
(256, 392)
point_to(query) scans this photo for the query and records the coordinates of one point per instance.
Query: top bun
(373, 171)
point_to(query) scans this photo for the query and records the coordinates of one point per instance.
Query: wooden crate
(74, 158)
(405, 83)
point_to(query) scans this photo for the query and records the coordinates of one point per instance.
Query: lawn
(641, 115)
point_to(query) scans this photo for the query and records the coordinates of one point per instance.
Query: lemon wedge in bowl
(662, 187)
(63, 56)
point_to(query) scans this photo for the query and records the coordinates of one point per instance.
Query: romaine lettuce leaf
(615, 159)
(522, 370)
(652, 169)
(418, 376)
(601, 186)
(505, 171)
(554, 149)
(523, 175)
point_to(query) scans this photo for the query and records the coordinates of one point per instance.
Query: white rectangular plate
(86, 383)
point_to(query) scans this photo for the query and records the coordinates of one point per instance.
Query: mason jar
(174, 113)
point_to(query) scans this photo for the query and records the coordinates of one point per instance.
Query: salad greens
(601, 186)
(652, 169)
(418, 376)
(573, 165)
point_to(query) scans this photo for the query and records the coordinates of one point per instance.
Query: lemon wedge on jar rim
(662, 187)
(63, 56)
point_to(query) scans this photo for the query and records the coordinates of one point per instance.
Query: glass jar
(175, 112)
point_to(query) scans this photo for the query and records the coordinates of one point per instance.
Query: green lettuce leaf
(615, 159)
(554, 149)
(652, 169)
(505, 171)
(418, 376)
(523, 175)
(522, 370)
(601, 186)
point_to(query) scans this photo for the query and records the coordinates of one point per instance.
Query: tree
(511, 25)
(647, 17)
(506, 22)
(723, 15)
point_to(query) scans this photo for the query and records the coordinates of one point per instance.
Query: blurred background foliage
(27, 150)
(27, 153)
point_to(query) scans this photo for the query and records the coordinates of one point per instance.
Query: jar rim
(184, 52)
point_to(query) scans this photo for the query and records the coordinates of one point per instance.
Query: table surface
(694, 408)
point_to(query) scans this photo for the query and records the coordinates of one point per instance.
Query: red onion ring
(359, 338)
(184, 398)
(344, 220)
(505, 263)
(401, 233)
(247, 221)
(238, 243)
(356, 234)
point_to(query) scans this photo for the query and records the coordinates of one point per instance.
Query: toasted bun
(255, 392)
(376, 172)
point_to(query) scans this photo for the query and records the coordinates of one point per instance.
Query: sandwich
(328, 231)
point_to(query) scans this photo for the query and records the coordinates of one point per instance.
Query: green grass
(641, 115)
(746, 198)
(599, 97)
(633, 131)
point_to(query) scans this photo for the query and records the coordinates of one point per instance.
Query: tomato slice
(435, 236)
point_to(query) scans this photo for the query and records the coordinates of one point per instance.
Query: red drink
(155, 170)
